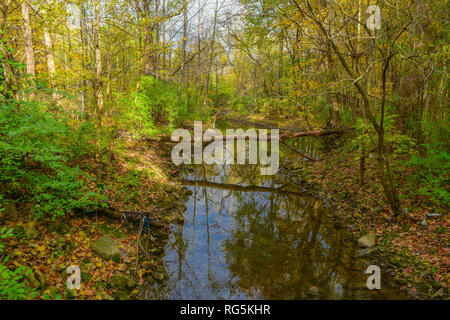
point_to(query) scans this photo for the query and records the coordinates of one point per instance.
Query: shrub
(431, 178)
(12, 286)
(35, 151)
(157, 107)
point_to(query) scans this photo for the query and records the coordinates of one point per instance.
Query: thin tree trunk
(210, 62)
(386, 178)
(9, 90)
(156, 42)
(164, 63)
(48, 41)
(29, 54)
(183, 49)
(98, 61)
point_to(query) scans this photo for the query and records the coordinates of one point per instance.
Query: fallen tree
(281, 137)
(298, 152)
(236, 187)
(131, 216)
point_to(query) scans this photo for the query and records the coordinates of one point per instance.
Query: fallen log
(314, 133)
(132, 216)
(298, 152)
(236, 187)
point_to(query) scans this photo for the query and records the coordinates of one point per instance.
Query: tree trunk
(48, 41)
(98, 62)
(386, 178)
(210, 62)
(164, 63)
(9, 90)
(156, 42)
(29, 55)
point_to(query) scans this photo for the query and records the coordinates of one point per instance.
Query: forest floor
(141, 178)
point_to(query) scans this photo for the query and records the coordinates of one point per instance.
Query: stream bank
(417, 263)
(114, 255)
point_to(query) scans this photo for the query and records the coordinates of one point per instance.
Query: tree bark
(29, 54)
(98, 61)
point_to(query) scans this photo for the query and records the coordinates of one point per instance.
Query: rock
(9, 208)
(424, 223)
(30, 232)
(106, 248)
(123, 282)
(367, 241)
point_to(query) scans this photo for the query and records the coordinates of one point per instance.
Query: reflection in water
(264, 243)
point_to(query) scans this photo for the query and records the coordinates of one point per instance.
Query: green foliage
(277, 106)
(4, 233)
(12, 286)
(7, 89)
(361, 138)
(80, 145)
(35, 149)
(397, 143)
(157, 107)
(243, 104)
(54, 296)
(431, 178)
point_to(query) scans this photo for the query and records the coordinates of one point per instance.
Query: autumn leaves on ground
(85, 84)
(139, 180)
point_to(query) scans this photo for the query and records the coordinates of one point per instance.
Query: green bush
(157, 107)
(36, 150)
(12, 286)
(431, 178)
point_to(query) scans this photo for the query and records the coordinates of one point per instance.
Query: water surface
(248, 236)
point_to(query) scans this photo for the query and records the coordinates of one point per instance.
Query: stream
(248, 236)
